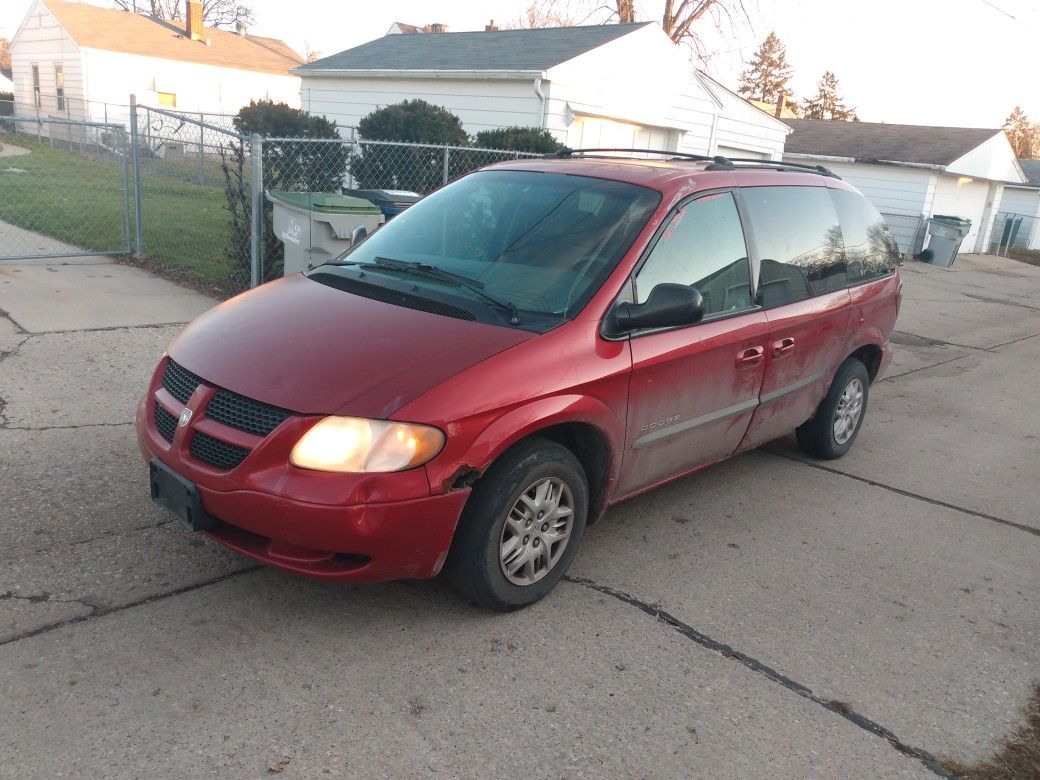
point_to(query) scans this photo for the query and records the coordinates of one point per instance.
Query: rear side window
(799, 239)
(702, 246)
(870, 251)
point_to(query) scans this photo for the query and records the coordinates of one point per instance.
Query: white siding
(640, 79)
(993, 159)
(481, 104)
(745, 131)
(964, 197)
(113, 76)
(43, 42)
(1020, 201)
(892, 189)
(1023, 202)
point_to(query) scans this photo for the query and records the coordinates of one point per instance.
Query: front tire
(832, 431)
(521, 527)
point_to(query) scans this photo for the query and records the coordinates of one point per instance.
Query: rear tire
(521, 527)
(832, 431)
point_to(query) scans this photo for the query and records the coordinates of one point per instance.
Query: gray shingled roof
(533, 50)
(1031, 168)
(867, 141)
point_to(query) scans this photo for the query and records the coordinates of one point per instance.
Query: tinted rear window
(870, 250)
(799, 240)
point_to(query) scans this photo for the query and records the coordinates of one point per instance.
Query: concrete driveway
(772, 615)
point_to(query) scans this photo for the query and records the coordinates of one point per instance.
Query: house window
(36, 85)
(59, 86)
(167, 99)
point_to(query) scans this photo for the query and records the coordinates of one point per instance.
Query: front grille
(165, 422)
(386, 295)
(179, 381)
(245, 413)
(216, 452)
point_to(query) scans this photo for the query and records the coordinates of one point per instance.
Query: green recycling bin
(945, 236)
(316, 227)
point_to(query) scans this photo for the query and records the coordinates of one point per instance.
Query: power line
(999, 10)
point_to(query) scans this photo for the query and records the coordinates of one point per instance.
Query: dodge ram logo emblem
(185, 419)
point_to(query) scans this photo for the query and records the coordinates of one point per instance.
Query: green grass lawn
(71, 197)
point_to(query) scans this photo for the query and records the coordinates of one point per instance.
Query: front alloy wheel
(848, 411)
(536, 531)
(521, 527)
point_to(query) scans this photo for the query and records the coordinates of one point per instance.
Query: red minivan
(469, 386)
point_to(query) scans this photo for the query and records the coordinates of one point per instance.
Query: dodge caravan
(468, 387)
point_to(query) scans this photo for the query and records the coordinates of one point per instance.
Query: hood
(311, 348)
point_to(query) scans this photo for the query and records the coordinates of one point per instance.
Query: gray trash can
(315, 227)
(390, 202)
(945, 236)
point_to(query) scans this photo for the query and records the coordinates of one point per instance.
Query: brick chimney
(193, 15)
(491, 26)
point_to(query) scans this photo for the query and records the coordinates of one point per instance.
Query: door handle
(783, 346)
(751, 356)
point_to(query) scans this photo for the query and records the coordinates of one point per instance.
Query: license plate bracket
(178, 496)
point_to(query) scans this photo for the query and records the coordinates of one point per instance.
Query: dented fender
(467, 457)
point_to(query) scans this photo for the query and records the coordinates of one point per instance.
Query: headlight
(356, 445)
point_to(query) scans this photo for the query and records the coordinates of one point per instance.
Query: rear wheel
(831, 432)
(521, 527)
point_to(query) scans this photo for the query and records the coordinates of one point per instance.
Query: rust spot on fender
(463, 477)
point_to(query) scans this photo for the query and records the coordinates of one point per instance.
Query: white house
(1021, 203)
(915, 171)
(80, 61)
(615, 85)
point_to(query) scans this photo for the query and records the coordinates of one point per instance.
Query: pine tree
(827, 103)
(1023, 134)
(767, 74)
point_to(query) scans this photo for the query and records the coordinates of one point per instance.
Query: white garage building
(912, 172)
(615, 85)
(1021, 205)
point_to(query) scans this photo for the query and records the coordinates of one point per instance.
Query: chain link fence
(1013, 233)
(908, 231)
(64, 188)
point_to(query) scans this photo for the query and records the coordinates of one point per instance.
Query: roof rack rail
(727, 163)
(566, 153)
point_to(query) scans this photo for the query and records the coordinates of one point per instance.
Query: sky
(932, 62)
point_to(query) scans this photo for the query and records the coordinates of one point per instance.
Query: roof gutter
(868, 161)
(478, 75)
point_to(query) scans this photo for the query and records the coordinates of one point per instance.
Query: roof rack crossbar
(779, 165)
(718, 162)
(566, 153)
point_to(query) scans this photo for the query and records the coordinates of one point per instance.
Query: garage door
(593, 132)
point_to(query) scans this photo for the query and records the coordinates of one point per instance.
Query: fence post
(445, 166)
(126, 189)
(256, 227)
(136, 170)
(202, 140)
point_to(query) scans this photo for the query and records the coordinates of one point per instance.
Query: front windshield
(542, 242)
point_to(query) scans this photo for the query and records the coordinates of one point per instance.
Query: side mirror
(668, 305)
(358, 234)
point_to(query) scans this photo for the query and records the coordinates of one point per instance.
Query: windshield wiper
(433, 272)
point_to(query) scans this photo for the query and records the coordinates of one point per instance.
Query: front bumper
(363, 543)
(345, 527)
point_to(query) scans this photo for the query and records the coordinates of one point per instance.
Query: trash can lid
(386, 196)
(324, 202)
(954, 221)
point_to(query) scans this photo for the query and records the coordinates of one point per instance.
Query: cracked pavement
(772, 615)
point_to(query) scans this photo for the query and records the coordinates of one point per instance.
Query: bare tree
(679, 16)
(215, 13)
(5, 54)
(543, 13)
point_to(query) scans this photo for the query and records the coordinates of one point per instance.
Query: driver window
(702, 246)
